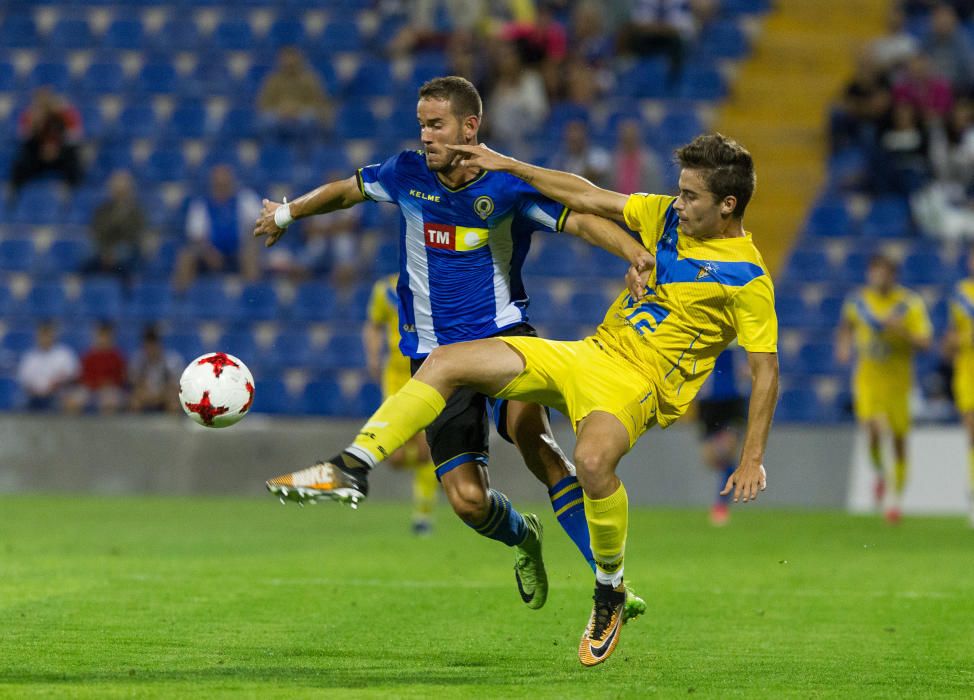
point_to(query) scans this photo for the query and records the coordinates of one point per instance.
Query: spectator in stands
(654, 27)
(154, 376)
(921, 88)
(892, 51)
(589, 37)
(49, 130)
(518, 100)
(117, 228)
(578, 155)
(865, 106)
(945, 208)
(952, 146)
(901, 166)
(950, 49)
(292, 102)
(47, 370)
(542, 43)
(218, 227)
(636, 168)
(422, 32)
(101, 386)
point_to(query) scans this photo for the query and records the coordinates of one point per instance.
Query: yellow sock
(399, 417)
(608, 526)
(425, 487)
(899, 475)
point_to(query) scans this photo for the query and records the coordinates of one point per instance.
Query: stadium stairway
(779, 105)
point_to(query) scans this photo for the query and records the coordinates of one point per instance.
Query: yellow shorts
(964, 386)
(578, 377)
(874, 399)
(394, 377)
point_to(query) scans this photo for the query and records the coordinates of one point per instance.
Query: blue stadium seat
(18, 31)
(45, 300)
(69, 33)
(240, 344)
(82, 206)
(165, 164)
(186, 342)
(723, 39)
(137, 121)
(372, 79)
(314, 301)
(10, 397)
(100, 298)
(18, 341)
(207, 298)
(66, 255)
(148, 301)
(323, 397)
(646, 79)
(54, 74)
(341, 36)
(157, 79)
(829, 220)
(124, 33)
(734, 7)
(554, 260)
(238, 123)
(16, 254)
(275, 164)
(799, 405)
(103, 78)
(258, 301)
(160, 264)
(188, 121)
(808, 266)
(292, 348)
(366, 401)
(355, 121)
(233, 35)
(888, 217)
(830, 310)
(271, 396)
(351, 304)
(426, 66)
(791, 310)
(924, 267)
(285, 31)
(177, 35)
(588, 306)
(39, 202)
(76, 337)
(817, 358)
(345, 350)
(702, 83)
(8, 77)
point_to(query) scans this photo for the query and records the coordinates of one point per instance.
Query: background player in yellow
(886, 323)
(643, 365)
(959, 343)
(380, 335)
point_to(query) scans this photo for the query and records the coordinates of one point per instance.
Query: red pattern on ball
(205, 409)
(250, 401)
(219, 360)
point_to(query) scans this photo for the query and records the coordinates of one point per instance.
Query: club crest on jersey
(484, 206)
(447, 237)
(708, 269)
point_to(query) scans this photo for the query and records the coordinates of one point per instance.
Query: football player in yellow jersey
(381, 333)
(886, 323)
(642, 367)
(959, 343)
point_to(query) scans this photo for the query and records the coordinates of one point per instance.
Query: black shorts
(716, 415)
(461, 432)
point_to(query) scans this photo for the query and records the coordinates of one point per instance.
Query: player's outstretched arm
(275, 217)
(750, 477)
(575, 192)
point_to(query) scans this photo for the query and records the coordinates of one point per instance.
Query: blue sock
(502, 523)
(722, 476)
(566, 501)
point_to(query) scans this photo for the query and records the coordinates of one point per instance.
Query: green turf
(107, 597)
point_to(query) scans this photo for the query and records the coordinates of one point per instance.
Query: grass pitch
(134, 597)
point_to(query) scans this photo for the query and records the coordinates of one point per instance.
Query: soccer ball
(216, 390)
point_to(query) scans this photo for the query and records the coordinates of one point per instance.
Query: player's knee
(593, 468)
(469, 502)
(441, 363)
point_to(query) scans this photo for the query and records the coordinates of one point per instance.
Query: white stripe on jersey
(542, 217)
(376, 191)
(501, 250)
(417, 268)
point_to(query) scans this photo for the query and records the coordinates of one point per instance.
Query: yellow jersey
(700, 296)
(962, 322)
(384, 311)
(883, 356)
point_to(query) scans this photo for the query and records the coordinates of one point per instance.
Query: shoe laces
(605, 608)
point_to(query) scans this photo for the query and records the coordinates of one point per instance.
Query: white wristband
(282, 215)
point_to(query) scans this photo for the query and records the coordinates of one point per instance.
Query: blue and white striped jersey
(460, 251)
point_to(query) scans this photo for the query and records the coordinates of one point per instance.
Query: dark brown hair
(728, 165)
(463, 96)
(884, 260)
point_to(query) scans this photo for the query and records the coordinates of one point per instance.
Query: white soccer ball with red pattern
(216, 390)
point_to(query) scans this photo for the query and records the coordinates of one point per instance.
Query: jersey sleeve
(918, 320)
(646, 214)
(850, 312)
(753, 316)
(379, 182)
(378, 311)
(545, 213)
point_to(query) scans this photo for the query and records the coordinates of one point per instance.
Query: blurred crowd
(908, 113)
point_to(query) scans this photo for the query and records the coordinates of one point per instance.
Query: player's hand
(746, 481)
(265, 225)
(482, 157)
(638, 275)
